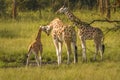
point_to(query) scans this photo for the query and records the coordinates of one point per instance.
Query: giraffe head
(46, 29)
(63, 9)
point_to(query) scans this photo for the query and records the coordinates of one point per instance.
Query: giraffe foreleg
(57, 50)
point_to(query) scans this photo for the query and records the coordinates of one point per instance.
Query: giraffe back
(90, 32)
(62, 32)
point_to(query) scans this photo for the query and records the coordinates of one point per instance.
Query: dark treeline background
(12, 7)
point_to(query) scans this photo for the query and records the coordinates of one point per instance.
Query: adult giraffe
(62, 33)
(86, 32)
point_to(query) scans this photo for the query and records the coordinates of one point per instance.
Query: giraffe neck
(38, 38)
(74, 19)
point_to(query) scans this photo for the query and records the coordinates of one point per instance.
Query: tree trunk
(108, 12)
(114, 6)
(52, 3)
(68, 2)
(101, 6)
(40, 13)
(14, 9)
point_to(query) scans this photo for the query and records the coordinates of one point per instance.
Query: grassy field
(15, 37)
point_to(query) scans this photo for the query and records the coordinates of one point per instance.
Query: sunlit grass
(91, 71)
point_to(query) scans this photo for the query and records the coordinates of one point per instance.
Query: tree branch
(106, 20)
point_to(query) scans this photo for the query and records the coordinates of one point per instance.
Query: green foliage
(2, 7)
(38, 5)
(31, 5)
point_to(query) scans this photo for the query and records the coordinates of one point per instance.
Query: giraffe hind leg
(28, 56)
(37, 58)
(75, 52)
(57, 51)
(40, 54)
(101, 49)
(96, 51)
(40, 59)
(68, 46)
(60, 50)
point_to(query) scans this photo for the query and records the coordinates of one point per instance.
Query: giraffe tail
(29, 50)
(103, 46)
(76, 54)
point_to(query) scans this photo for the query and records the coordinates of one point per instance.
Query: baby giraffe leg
(40, 59)
(37, 58)
(40, 55)
(28, 56)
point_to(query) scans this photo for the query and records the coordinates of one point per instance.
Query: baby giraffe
(36, 48)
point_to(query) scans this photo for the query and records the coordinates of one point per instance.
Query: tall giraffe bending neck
(74, 19)
(86, 32)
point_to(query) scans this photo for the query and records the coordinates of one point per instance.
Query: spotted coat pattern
(63, 33)
(85, 32)
(36, 48)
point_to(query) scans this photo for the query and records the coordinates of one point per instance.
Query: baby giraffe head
(46, 29)
(63, 9)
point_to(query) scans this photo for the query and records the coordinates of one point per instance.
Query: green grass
(15, 37)
(80, 71)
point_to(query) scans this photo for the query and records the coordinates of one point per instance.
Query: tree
(101, 6)
(14, 9)
(2, 7)
(108, 11)
(116, 3)
(104, 7)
